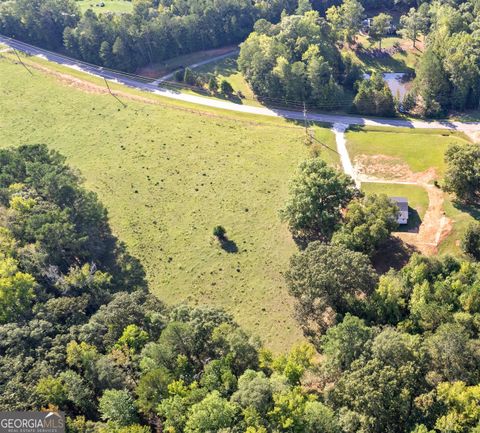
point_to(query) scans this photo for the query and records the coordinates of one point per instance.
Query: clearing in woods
(402, 162)
(168, 174)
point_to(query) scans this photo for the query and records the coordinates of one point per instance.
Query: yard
(416, 157)
(417, 199)
(116, 6)
(168, 173)
(404, 58)
(403, 154)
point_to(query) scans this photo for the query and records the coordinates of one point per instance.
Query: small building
(402, 203)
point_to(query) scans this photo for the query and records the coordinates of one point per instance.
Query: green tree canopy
(318, 193)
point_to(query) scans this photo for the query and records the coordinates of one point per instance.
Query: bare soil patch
(383, 167)
(435, 226)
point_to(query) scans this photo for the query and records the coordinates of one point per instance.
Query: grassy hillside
(168, 175)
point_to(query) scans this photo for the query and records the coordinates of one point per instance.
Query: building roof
(402, 203)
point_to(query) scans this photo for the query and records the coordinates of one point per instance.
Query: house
(402, 203)
(367, 25)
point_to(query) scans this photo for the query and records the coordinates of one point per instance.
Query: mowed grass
(167, 176)
(419, 149)
(417, 199)
(116, 6)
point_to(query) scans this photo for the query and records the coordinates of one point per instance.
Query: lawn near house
(417, 199)
(399, 153)
(168, 174)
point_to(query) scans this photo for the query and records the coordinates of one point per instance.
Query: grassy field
(168, 174)
(417, 199)
(116, 6)
(419, 149)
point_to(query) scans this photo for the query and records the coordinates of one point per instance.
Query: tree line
(156, 30)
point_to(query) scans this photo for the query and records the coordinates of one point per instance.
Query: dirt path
(435, 226)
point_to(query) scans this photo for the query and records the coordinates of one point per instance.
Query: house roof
(402, 203)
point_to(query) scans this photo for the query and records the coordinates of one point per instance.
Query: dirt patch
(380, 167)
(435, 227)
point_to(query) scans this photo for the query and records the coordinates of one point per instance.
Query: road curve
(226, 105)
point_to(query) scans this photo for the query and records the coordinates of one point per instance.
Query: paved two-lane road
(225, 105)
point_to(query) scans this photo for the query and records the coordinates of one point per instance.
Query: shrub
(219, 232)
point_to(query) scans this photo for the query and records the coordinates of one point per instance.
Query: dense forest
(80, 332)
(299, 60)
(154, 31)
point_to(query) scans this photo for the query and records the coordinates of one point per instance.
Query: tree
(368, 223)
(462, 176)
(344, 343)
(470, 242)
(374, 97)
(318, 193)
(381, 25)
(347, 19)
(324, 286)
(377, 397)
(16, 291)
(299, 61)
(462, 407)
(254, 390)
(134, 338)
(118, 406)
(212, 414)
(411, 25)
(212, 84)
(453, 355)
(431, 87)
(189, 77)
(226, 88)
(303, 6)
(152, 389)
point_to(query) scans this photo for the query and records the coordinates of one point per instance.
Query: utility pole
(308, 133)
(111, 93)
(20, 60)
